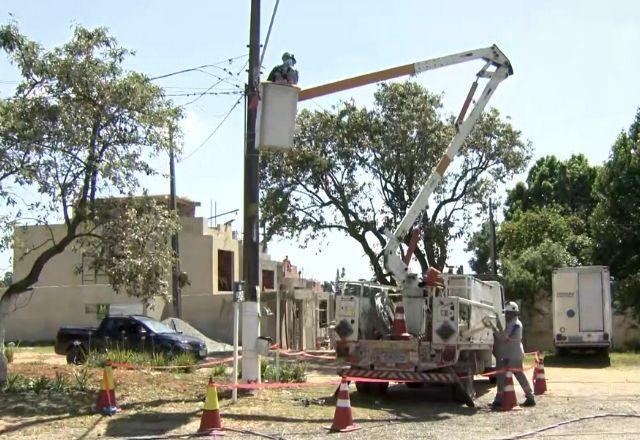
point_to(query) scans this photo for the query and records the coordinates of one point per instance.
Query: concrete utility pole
(175, 273)
(251, 239)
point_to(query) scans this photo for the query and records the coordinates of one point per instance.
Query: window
(91, 272)
(268, 280)
(225, 271)
(322, 313)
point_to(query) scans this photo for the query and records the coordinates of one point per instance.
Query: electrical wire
(192, 69)
(201, 94)
(266, 41)
(567, 422)
(213, 132)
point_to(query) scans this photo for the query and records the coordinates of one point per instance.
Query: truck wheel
(464, 391)
(75, 355)
(379, 387)
(363, 387)
(414, 384)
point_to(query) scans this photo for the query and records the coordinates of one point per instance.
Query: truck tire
(363, 387)
(464, 391)
(76, 355)
(414, 384)
(378, 388)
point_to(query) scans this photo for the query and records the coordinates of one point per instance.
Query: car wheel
(75, 355)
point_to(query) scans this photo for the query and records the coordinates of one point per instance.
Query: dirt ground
(168, 405)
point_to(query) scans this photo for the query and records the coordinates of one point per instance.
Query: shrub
(159, 359)
(10, 351)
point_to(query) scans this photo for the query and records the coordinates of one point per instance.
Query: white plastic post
(278, 335)
(236, 318)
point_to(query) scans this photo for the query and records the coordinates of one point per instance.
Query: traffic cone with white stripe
(399, 328)
(210, 421)
(342, 419)
(509, 400)
(539, 379)
(106, 403)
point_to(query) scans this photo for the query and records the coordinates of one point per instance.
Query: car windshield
(156, 326)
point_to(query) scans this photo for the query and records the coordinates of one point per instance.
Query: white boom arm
(502, 69)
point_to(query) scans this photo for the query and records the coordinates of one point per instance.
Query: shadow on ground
(575, 360)
(147, 423)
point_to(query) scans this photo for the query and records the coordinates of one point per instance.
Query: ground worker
(285, 73)
(510, 353)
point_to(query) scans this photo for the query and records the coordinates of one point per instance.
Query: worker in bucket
(510, 353)
(285, 73)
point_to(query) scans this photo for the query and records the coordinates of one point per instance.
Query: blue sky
(575, 84)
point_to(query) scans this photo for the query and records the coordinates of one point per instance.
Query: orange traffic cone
(210, 421)
(399, 329)
(342, 419)
(107, 397)
(539, 379)
(509, 400)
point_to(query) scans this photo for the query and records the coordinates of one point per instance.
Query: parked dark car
(135, 332)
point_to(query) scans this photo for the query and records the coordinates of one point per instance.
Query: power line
(200, 94)
(266, 41)
(192, 69)
(213, 132)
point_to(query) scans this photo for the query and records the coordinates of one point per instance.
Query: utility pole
(251, 238)
(492, 242)
(175, 273)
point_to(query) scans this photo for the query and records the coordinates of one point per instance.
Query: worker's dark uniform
(283, 74)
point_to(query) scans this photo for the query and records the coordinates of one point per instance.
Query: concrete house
(70, 292)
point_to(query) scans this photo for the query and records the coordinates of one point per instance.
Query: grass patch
(96, 359)
(61, 384)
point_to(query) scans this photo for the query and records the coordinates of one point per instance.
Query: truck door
(590, 302)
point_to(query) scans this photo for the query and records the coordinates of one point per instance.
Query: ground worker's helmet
(511, 306)
(288, 56)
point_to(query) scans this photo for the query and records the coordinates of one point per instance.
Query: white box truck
(582, 309)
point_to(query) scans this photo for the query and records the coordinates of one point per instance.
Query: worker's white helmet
(511, 306)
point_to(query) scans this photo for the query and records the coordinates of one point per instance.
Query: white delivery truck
(582, 309)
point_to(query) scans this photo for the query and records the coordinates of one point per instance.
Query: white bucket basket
(277, 116)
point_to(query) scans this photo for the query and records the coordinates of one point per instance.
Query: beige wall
(538, 328)
(59, 297)
(39, 314)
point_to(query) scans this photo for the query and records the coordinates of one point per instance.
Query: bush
(17, 383)
(97, 359)
(10, 351)
(289, 371)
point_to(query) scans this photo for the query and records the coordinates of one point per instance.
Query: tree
(479, 243)
(355, 170)
(616, 219)
(79, 127)
(535, 242)
(553, 189)
(567, 184)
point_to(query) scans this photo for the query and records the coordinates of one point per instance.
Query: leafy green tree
(355, 170)
(79, 127)
(535, 242)
(567, 184)
(479, 243)
(616, 219)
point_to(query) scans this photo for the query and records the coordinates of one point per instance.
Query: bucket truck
(448, 317)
